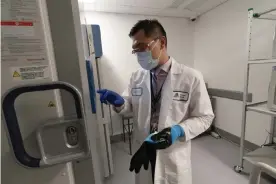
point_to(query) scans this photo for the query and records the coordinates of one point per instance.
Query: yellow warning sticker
(36, 72)
(15, 74)
(51, 104)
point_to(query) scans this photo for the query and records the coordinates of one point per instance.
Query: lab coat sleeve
(127, 107)
(201, 112)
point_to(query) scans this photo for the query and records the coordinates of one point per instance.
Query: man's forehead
(140, 37)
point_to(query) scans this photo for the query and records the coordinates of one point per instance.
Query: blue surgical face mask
(146, 61)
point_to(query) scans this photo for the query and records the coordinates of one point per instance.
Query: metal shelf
(262, 61)
(261, 108)
(265, 15)
(273, 18)
(265, 155)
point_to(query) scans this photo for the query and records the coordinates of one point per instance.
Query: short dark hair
(151, 27)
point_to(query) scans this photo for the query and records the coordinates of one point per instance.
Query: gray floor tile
(121, 159)
(212, 163)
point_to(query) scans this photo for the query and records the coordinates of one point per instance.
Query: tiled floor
(212, 163)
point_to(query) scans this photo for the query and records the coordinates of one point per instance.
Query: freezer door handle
(11, 120)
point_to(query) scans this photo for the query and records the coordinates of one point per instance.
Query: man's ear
(163, 41)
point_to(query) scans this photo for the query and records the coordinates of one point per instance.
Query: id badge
(180, 96)
(137, 91)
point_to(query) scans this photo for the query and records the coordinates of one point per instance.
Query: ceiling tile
(155, 4)
(173, 12)
(176, 3)
(119, 9)
(201, 6)
(174, 8)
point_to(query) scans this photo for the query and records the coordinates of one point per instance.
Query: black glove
(139, 159)
(166, 137)
(162, 139)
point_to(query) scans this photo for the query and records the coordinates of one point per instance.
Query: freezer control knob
(72, 135)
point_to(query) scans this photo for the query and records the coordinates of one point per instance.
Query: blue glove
(165, 138)
(111, 97)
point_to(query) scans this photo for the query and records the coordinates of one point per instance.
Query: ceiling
(171, 8)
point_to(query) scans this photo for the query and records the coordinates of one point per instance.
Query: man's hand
(111, 97)
(139, 159)
(166, 137)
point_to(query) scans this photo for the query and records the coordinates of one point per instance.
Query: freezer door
(93, 67)
(44, 45)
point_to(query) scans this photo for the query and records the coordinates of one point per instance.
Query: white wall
(118, 62)
(220, 54)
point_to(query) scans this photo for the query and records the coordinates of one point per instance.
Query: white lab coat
(194, 114)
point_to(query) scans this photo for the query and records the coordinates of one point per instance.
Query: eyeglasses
(142, 47)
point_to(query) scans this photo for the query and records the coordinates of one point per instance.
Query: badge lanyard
(155, 98)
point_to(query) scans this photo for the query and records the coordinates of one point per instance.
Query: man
(170, 104)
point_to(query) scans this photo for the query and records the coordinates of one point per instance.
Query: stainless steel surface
(273, 18)
(262, 61)
(258, 107)
(265, 154)
(52, 136)
(261, 108)
(230, 94)
(106, 145)
(72, 136)
(274, 44)
(266, 12)
(53, 140)
(105, 127)
(271, 101)
(258, 169)
(111, 122)
(41, 84)
(272, 129)
(245, 88)
(256, 103)
(62, 141)
(128, 128)
(99, 83)
(104, 137)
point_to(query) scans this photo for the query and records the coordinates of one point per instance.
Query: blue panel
(92, 92)
(96, 31)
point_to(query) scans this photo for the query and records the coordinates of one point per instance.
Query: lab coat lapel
(175, 69)
(174, 74)
(146, 82)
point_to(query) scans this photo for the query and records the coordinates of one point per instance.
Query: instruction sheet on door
(22, 40)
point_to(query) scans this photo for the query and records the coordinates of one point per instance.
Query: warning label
(22, 34)
(30, 72)
(17, 28)
(51, 104)
(15, 74)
